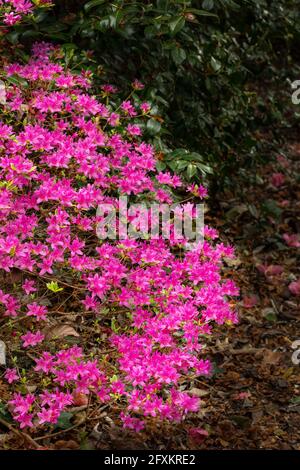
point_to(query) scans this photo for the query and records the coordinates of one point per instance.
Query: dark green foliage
(201, 62)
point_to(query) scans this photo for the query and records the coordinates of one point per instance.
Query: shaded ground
(253, 400)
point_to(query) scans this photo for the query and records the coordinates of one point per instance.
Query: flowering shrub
(13, 11)
(64, 151)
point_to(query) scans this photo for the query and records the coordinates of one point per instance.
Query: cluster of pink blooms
(64, 152)
(69, 370)
(12, 11)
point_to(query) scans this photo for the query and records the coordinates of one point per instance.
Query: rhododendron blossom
(154, 303)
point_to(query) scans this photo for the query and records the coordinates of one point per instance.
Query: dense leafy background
(203, 63)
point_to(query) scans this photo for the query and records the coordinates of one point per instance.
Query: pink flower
(11, 375)
(28, 286)
(48, 415)
(167, 178)
(145, 107)
(294, 287)
(198, 435)
(90, 303)
(37, 311)
(11, 18)
(250, 301)
(277, 179)
(76, 245)
(132, 129)
(128, 108)
(31, 339)
(292, 240)
(137, 85)
(45, 363)
(109, 89)
(132, 423)
(270, 270)
(25, 420)
(198, 191)
(22, 406)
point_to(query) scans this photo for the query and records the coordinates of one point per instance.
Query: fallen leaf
(271, 357)
(198, 392)
(60, 331)
(198, 435)
(242, 396)
(66, 445)
(250, 301)
(271, 270)
(80, 399)
(241, 421)
(292, 240)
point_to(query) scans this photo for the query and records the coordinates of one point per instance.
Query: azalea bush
(146, 307)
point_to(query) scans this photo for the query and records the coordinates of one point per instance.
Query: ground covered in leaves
(253, 399)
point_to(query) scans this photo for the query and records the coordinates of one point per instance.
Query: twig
(54, 434)
(22, 434)
(243, 351)
(275, 306)
(75, 409)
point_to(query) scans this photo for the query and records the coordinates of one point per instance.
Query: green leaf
(208, 4)
(295, 400)
(178, 153)
(270, 207)
(53, 286)
(160, 166)
(5, 413)
(205, 169)
(178, 55)
(150, 32)
(153, 126)
(12, 37)
(182, 164)
(103, 24)
(114, 326)
(16, 80)
(216, 65)
(54, 28)
(177, 24)
(39, 16)
(64, 420)
(191, 170)
(201, 12)
(172, 165)
(69, 46)
(31, 33)
(162, 4)
(93, 3)
(193, 156)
